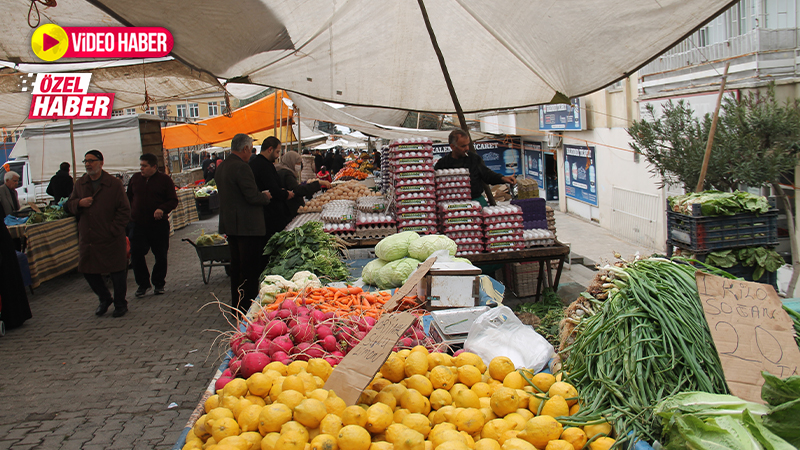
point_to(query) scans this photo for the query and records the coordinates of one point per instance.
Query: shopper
(13, 299)
(241, 218)
(209, 166)
(460, 158)
(102, 209)
(338, 162)
(323, 174)
(267, 180)
(152, 197)
(61, 184)
(289, 169)
(9, 200)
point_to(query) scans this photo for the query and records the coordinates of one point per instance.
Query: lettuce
(395, 246)
(370, 272)
(395, 273)
(423, 247)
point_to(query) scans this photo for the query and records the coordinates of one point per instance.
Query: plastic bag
(498, 332)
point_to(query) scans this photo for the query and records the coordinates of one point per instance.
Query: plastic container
(704, 234)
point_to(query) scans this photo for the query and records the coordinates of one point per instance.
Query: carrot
(354, 290)
(370, 297)
(365, 303)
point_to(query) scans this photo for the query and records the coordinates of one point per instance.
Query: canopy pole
(460, 112)
(299, 141)
(711, 132)
(275, 116)
(72, 146)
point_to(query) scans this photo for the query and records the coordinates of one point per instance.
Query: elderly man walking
(9, 201)
(241, 218)
(152, 196)
(102, 209)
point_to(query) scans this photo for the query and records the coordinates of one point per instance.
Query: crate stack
(412, 175)
(373, 219)
(551, 220)
(502, 228)
(462, 222)
(534, 213)
(527, 188)
(385, 169)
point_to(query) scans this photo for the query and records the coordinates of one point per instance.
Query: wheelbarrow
(212, 256)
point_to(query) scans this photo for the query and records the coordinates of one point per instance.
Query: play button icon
(48, 42)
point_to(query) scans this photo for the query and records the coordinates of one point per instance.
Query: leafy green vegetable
(796, 319)
(783, 421)
(369, 274)
(706, 405)
(763, 258)
(724, 259)
(424, 247)
(716, 203)
(395, 273)
(765, 437)
(687, 431)
(395, 246)
(305, 248)
(776, 391)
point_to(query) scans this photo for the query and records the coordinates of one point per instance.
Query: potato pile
(418, 401)
(349, 190)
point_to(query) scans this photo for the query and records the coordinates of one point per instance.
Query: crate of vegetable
(702, 234)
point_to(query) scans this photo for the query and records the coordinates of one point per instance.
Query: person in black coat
(263, 167)
(338, 162)
(289, 173)
(61, 184)
(14, 306)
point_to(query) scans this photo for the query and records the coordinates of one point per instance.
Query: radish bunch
(296, 332)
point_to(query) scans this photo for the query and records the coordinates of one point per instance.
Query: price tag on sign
(751, 331)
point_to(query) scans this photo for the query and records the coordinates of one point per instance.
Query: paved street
(71, 380)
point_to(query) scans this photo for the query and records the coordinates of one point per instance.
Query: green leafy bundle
(716, 203)
(763, 258)
(48, 214)
(305, 248)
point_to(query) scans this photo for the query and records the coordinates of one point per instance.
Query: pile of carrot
(342, 302)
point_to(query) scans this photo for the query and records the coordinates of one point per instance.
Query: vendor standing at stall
(460, 158)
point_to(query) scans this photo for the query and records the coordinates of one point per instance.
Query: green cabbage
(395, 273)
(370, 272)
(395, 246)
(423, 247)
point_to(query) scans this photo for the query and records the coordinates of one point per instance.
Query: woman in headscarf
(289, 168)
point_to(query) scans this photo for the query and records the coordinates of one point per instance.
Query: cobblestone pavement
(71, 380)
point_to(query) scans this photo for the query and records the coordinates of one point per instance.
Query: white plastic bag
(498, 332)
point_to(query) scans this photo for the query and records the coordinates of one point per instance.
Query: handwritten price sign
(751, 330)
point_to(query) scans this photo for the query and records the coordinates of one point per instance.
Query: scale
(451, 284)
(451, 326)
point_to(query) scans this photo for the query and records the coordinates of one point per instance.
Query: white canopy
(500, 54)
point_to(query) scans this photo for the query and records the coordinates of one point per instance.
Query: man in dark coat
(266, 176)
(241, 218)
(209, 165)
(317, 160)
(103, 212)
(16, 309)
(61, 184)
(152, 196)
(338, 162)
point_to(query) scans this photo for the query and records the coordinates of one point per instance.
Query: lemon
(195, 444)
(211, 441)
(318, 394)
(534, 402)
(409, 439)
(292, 440)
(517, 421)
(277, 387)
(354, 415)
(312, 433)
(482, 389)
(319, 367)
(309, 381)
(367, 397)
(353, 437)
(468, 375)
(448, 436)
(543, 381)
(385, 398)
(421, 349)
(200, 430)
(465, 398)
(559, 444)
(471, 359)
(237, 442)
(440, 398)
(404, 353)
(268, 442)
(296, 367)
(442, 377)
(470, 420)
(574, 436)
(253, 438)
(224, 427)
(574, 409)
(393, 431)
(492, 429)
(593, 430)
(324, 442)
(248, 418)
(400, 414)
(468, 438)
(272, 418)
(514, 380)
(290, 398)
(438, 429)
(504, 401)
(452, 445)
(310, 412)
(398, 390)
(393, 369)
(555, 406)
(255, 400)
(379, 417)
(523, 398)
(517, 444)
(381, 445)
(487, 444)
(277, 366)
(235, 388)
(540, 430)
(330, 424)
(413, 401)
(334, 404)
(525, 413)
(488, 414)
(500, 366)
(435, 359)
(416, 364)
(566, 390)
(379, 383)
(295, 383)
(421, 383)
(419, 423)
(259, 384)
(211, 403)
(510, 434)
(240, 405)
(216, 414)
(603, 443)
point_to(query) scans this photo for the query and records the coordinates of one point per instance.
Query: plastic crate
(704, 234)
(532, 208)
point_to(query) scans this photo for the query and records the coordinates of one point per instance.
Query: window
(616, 87)
(163, 112)
(194, 110)
(182, 111)
(213, 108)
(116, 112)
(150, 110)
(130, 111)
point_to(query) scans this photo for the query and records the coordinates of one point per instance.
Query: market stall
(51, 248)
(186, 211)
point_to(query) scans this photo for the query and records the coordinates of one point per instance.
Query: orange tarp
(255, 117)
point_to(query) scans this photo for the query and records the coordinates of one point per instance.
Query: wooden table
(541, 255)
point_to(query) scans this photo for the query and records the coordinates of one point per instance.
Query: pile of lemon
(418, 401)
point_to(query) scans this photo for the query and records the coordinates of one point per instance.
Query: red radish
(317, 316)
(236, 342)
(302, 311)
(291, 322)
(370, 321)
(221, 382)
(255, 331)
(263, 345)
(459, 352)
(333, 360)
(280, 343)
(302, 332)
(315, 351)
(329, 343)
(235, 365)
(272, 315)
(280, 356)
(284, 314)
(253, 362)
(287, 361)
(329, 315)
(419, 333)
(299, 351)
(324, 331)
(227, 373)
(275, 328)
(406, 342)
(289, 305)
(248, 347)
(337, 353)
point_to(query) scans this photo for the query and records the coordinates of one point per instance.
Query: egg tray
(414, 160)
(505, 238)
(415, 202)
(540, 243)
(460, 206)
(452, 185)
(466, 195)
(406, 188)
(456, 214)
(415, 222)
(425, 176)
(503, 226)
(416, 152)
(425, 168)
(302, 219)
(446, 229)
(331, 228)
(504, 246)
(402, 209)
(502, 219)
(402, 196)
(461, 171)
(468, 241)
(375, 231)
(470, 247)
(419, 229)
(462, 221)
(464, 234)
(504, 232)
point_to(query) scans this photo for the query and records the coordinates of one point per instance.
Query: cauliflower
(280, 282)
(305, 279)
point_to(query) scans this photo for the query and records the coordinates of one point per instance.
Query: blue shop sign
(534, 162)
(502, 157)
(580, 176)
(561, 117)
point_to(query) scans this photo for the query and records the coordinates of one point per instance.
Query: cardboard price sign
(751, 331)
(356, 370)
